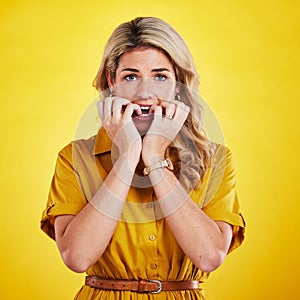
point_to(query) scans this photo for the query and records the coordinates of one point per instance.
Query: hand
(164, 129)
(116, 116)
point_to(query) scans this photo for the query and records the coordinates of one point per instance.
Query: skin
(144, 77)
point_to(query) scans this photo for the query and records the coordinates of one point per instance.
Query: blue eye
(130, 77)
(161, 77)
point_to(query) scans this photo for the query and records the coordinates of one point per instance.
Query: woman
(148, 206)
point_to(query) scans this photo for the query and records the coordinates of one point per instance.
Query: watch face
(146, 171)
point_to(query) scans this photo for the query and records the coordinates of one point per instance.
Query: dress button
(153, 266)
(152, 237)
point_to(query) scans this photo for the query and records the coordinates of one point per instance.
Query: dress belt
(140, 286)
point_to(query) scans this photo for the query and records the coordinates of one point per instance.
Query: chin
(142, 126)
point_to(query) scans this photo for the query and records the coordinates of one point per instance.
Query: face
(146, 77)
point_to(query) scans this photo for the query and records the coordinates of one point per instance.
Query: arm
(83, 238)
(203, 240)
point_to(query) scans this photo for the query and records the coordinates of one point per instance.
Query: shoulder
(78, 146)
(222, 163)
(220, 148)
(221, 153)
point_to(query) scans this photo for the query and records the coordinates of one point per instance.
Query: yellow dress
(142, 246)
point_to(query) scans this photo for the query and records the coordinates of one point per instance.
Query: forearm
(199, 236)
(85, 237)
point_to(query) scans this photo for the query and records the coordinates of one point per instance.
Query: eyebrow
(152, 71)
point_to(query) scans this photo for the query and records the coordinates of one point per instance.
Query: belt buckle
(159, 286)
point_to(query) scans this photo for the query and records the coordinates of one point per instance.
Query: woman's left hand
(164, 129)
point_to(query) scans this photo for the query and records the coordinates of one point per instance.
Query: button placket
(153, 259)
(153, 239)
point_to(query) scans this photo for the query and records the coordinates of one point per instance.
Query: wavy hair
(191, 151)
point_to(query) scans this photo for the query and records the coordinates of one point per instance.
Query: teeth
(145, 109)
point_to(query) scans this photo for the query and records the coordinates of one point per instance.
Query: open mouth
(145, 110)
(146, 113)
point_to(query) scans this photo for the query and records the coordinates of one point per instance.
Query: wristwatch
(166, 163)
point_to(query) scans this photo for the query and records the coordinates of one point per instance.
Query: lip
(143, 117)
(146, 115)
(146, 106)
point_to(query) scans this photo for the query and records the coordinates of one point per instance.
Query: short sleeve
(222, 203)
(65, 195)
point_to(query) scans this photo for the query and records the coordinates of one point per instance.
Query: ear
(110, 80)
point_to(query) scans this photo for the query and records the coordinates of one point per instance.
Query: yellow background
(247, 53)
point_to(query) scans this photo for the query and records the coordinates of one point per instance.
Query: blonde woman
(147, 207)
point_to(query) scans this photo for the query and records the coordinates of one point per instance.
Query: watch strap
(166, 163)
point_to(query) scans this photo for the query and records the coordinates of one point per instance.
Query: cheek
(166, 91)
(126, 90)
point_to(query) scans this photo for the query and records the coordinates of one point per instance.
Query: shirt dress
(143, 246)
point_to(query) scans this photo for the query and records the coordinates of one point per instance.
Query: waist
(141, 286)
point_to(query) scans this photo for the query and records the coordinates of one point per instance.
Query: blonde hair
(192, 149)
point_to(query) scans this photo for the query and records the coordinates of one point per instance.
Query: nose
(145, 89)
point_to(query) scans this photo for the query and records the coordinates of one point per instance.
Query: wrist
(150, 160)
(127, 161)
(124, 169)
(150, 157)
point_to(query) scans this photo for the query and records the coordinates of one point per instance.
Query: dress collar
(103, 143)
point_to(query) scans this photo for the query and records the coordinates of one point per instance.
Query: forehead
(144, 56)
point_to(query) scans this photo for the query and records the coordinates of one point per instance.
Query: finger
(152, 108)
(157, 110)
(107, 109)
(170, 109)
(100, 109)
(179, 104)
(130, 109)
(181, 110)
(117, 106)
(137, 109)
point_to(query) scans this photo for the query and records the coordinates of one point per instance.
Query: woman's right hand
(116, 117)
